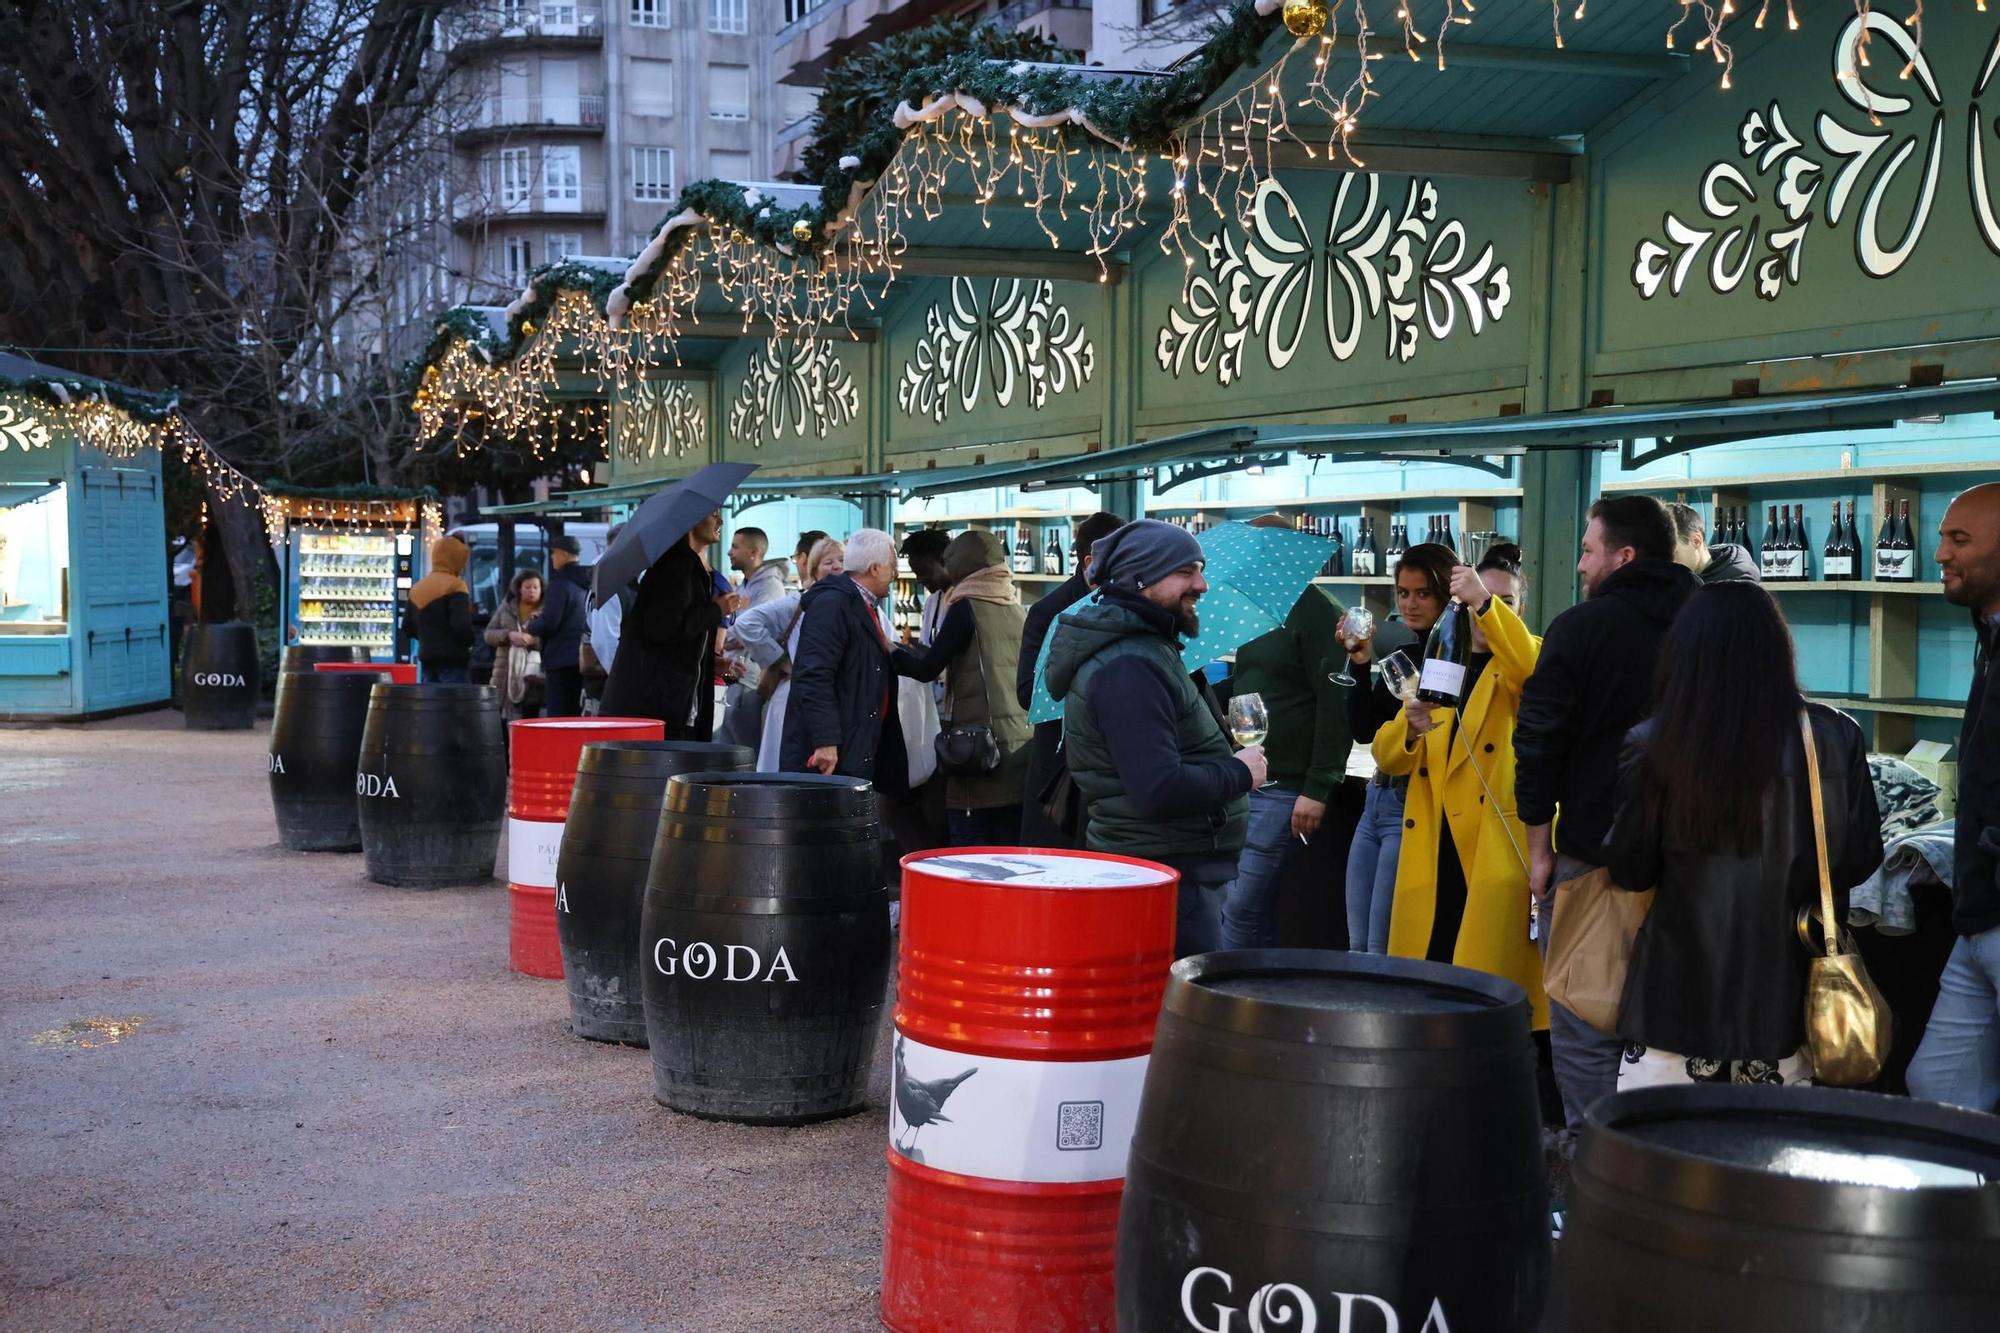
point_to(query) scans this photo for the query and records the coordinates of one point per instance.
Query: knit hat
(566, 543)
(1142, 552)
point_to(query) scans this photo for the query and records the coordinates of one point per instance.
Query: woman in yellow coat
(1462, 880)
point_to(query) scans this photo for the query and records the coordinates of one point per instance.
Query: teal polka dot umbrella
(1254, 577)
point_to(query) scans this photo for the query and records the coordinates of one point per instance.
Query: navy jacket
(841, 675)
(1975, 890)
(565, 611)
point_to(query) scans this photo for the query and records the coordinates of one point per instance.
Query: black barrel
(316, 730)
(431, 784)
(1718, 1208)
(765, 945)
(607, 848)
(219, 678)
(1335, 1140)
(302, 656)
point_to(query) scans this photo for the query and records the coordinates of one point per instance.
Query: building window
(562, 179)
(561, 245)
(559, 14)
(652, 13)
(728, 16)
(729, 92)
(653, 175)
(727, 165)
(798, 9)
(514, 182)
(649, 87)
(517, 259)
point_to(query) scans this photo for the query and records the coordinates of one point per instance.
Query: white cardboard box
(1928, 758)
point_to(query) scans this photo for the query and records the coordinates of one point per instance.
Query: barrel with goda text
(316, 729)
(431, 784)
(219, 677)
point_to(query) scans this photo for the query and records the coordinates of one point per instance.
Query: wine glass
(1249, 720)
(1356, 627)
(1401, 675)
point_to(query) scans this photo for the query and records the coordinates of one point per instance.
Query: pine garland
(357, 491)
(56, 390)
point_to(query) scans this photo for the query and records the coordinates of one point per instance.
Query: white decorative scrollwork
(667, 422)
(1378, 260)
(23, 431)
(793, 387)
(1849, 168)
(1015, 339)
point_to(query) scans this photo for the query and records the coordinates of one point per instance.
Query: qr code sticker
(1079, 1126)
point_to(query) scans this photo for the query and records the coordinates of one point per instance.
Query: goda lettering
(1283, 1306)
(376, 784)
(739, 962)
(226, 679)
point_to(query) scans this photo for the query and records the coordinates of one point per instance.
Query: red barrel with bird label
(543, 755)
(1029, 987)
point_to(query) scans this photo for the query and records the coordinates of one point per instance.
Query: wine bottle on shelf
(1857, 554)
(1798, 565)
(1366, 557)
(1052, 556)
(1442, 679)
(1024, 554)
(1767, 557)
(1396, 543)
(1444, 532)
(1336, 564)
(1906, 544)
(1888, 560)
(1836, 564)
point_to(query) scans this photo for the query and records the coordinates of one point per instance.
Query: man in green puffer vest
(1144, 739)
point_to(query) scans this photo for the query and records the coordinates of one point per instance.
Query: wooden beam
(1642, 67)
(1547, 160)
(934, 261)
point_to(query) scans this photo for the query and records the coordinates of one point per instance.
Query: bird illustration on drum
(920, 1102)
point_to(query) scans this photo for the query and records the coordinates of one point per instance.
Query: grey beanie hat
(1143, 551)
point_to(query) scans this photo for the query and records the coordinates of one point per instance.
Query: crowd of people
(1650, 740)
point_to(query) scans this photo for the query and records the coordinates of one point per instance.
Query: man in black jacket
(1721, 563)
(842, 715)
(664, 666)
(559, 626)
(1045, 751)
(1959, 1061)
(1592, 684)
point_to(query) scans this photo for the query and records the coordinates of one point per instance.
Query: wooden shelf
(1320, 501)
(1901, 707)
(1856, 585)
(994, 516)
(1763, 480)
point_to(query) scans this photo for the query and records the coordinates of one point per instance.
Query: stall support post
(1121, 496)
(1555, 486)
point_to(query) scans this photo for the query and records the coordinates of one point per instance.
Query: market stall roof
(56, 385)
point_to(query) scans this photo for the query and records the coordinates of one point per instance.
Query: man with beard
(1146, 743)
(1959, 1061)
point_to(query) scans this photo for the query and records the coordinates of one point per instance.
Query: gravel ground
(338, 1108)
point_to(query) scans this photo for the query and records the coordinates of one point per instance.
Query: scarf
(995, 583)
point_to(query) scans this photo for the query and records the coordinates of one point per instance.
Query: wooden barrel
(315, 745)
(1336, 1140)
(219, 678)
(305, 656)
(1721, 1207)
(607, 848)
(766, 946)
(431, 784)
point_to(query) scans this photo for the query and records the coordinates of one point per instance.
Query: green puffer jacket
(1085, 641)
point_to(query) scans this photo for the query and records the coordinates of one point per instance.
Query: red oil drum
(1030, 982)
(543, 754)
(399, 673)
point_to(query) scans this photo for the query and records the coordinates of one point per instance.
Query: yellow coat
(1493, 935)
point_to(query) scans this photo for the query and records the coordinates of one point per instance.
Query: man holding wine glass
(1144, 737)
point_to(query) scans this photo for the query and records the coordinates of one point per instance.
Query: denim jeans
(1249, 913)
(1586, 1060)
(994, 826)
(1198, 917)
(1959, 1060)
(456, 675)
(1371, 870)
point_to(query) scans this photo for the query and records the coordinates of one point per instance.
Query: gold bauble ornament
(802, 231)
(1306, 18)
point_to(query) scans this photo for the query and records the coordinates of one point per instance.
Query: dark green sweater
(1309, 741)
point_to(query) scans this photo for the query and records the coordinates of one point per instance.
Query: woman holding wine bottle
(1423, 582)
(1462, 878)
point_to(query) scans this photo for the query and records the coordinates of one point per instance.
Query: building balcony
(498, 117)
(477, 209)
(477, 33)
(1064, 22)
(819, 32)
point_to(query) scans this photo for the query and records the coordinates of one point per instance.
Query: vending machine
(346, 578)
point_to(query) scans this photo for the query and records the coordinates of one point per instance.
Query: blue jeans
(1198, 916)
(1586, 1062)
(1959, 1060)
(1249, 913)
(457, 675)
(1371, 870)
(994, 826)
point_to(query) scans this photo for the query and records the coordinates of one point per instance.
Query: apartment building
(576, 124)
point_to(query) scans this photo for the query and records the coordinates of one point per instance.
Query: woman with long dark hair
(1714, 811)
(1423, 586)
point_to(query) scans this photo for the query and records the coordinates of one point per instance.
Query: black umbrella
(663, 520)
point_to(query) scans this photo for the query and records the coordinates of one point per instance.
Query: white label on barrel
(221, 679)
(1000, 1119)
(532, 848)
(1210, 1303)
(1041, 871)
(277, 763)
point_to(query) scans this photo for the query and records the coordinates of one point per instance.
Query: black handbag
(970, 751)
(1062, 801)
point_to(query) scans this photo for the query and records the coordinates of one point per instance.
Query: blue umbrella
(1255, 575)
(661, 521)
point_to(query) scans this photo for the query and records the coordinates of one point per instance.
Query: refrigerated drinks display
(346, 589)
